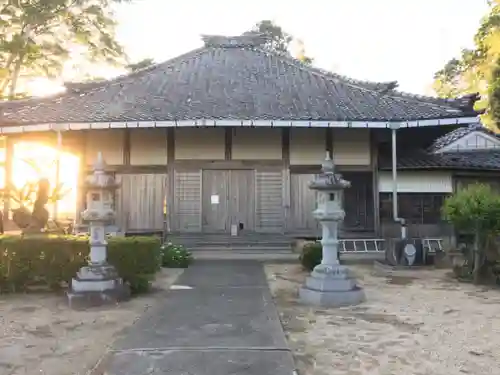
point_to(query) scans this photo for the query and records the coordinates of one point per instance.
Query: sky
(377, 40)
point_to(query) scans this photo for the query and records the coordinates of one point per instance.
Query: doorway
(228, 198)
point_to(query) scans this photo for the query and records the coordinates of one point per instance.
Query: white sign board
(214, 199)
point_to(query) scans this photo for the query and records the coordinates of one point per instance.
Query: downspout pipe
(394, 127)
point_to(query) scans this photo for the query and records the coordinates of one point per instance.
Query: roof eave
(20, 128)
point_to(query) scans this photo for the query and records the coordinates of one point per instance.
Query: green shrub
(52, 261)
(175, 256)
(137, 259)
(311, 255)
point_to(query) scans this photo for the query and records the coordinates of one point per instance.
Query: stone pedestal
(97, 285)
(330, 284)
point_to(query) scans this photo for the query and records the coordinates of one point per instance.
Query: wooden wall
(140, 201)
(150, 163)
(303, 202)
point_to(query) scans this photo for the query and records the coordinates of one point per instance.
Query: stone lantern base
(331, 286)
(97, 285)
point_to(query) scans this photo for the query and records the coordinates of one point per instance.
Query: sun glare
(32, 161)
(43, 87)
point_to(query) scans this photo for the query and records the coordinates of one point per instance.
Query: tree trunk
(478, 259)
(6, 80)
(15, 77)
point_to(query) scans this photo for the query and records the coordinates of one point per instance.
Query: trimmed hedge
(51, 261)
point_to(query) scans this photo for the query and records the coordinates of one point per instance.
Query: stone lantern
(98, 283)
(330, 283)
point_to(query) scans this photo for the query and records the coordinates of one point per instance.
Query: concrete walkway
(220, 320)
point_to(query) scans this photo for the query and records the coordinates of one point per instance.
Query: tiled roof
(485, 160)
(457, 134)
(231, 78)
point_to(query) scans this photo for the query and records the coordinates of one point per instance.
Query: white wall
(417, 182)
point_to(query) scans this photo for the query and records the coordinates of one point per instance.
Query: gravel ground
(427, 324)
(40, 335)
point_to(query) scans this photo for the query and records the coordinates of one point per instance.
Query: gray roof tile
(456, 134)
(485, 160)
(231, 78)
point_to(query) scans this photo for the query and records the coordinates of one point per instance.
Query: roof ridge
(362, 84)
(454, 103)
(323, 72)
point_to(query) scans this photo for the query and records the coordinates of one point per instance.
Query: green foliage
(494, 93)
(175, 256)
(142, 64)
(475, 70)
(311, 256)
(279, 40)
(39, 36)
(137, 260)
(475, 208)
(52, 261)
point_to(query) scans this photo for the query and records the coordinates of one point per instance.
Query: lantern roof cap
(328, 180)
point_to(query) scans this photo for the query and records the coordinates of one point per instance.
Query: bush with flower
(175, 256)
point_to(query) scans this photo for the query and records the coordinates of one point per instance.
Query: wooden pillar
(126, 148)
(59, 147)
(285, 154)
(169, 225)
(329, 142)
(9, 157)
(228, 143)
(82, 174)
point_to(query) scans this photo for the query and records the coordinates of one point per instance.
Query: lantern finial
(100, 164)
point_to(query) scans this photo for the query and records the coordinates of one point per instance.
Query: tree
(474, 70)
(475, 210)
(279, 40)
(38, 37)
(142, 64)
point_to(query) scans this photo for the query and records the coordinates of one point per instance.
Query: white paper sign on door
(214, 199)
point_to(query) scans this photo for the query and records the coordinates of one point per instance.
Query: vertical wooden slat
(242, 199)
(269, 201)
(215, 217)
(304, 202)
(187, 207)
(141, 201)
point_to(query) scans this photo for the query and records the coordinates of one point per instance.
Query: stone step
(242, 249)
(269, 256)
(273, 246)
